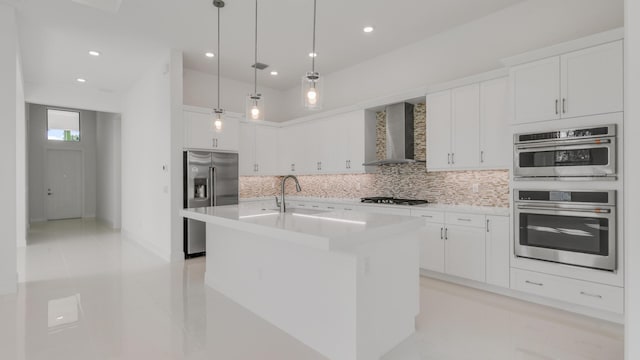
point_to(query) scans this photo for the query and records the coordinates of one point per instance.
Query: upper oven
(570, 153)
(568, 227)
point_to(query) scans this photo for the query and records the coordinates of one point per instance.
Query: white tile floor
(87, 294)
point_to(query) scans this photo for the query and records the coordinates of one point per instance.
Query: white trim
(566, 47)
(146, 245)
(478, 78)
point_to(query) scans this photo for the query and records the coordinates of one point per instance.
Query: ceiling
(57, 34)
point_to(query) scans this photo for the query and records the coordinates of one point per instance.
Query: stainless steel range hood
(400, 139)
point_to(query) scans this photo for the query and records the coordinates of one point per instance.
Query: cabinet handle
(591, 295)
(453, 158)
(449, 159)
(293, 167)
(315, 206)
(564, 108)
(463, 219)
(488, 225)
(348, 209)
(427, 216)
(557, 107)
(330, 207)
(481, 156)
(441, 233)
(446, 234)
(534, 283)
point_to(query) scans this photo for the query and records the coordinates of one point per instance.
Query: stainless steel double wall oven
(568, 226)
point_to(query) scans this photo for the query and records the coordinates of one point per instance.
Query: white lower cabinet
(498, 241)
(464, 252)
(594, 295)
(470, 246)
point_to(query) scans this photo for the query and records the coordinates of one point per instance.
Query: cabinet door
(438, 130)
(266, 150)
(432, 247)
(355, 140)
(465, 252)
(592, 81)
(285, 149)
(246, 153)
(536, 91)
(465, 107)
(495, 137)
(332, 144)
(304, 144)
(497, 250)
(227, 138)
(199, 132)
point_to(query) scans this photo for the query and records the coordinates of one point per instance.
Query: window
(63, 125)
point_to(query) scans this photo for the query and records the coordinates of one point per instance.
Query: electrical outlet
(475, 188)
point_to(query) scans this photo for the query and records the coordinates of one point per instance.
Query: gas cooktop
(391, 200)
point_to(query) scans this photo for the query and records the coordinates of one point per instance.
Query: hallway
(86, 293)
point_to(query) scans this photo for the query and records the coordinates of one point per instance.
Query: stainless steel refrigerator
(210, 179)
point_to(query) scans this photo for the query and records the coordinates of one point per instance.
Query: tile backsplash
(403, 180)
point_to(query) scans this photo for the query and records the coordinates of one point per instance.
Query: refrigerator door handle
(212, 176)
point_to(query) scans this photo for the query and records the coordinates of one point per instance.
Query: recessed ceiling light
(312, 54)
(209, 54)
(94, 53)
(81, 80)
(274, 73)
(368, 29)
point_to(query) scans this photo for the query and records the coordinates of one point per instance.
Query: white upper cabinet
(592, 81)
(200, 133)
(536, 91)
(258, 149)
(439, 130)
(495, 137)
(580, 83)
(466, 126)
(331, 145)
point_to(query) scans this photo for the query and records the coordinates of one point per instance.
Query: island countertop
(327, 230)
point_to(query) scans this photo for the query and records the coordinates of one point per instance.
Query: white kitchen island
(344, 283)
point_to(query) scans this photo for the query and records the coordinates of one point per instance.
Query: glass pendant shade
(255, 107)
(312, 91)
(218, 120)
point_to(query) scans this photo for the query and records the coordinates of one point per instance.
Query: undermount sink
(298, 211)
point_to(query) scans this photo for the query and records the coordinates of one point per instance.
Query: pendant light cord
(218, 59)
(313, 58)
(255, 52)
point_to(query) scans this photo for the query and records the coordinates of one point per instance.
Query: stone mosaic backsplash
(401, 180)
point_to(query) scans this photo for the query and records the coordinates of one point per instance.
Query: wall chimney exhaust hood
(400, 139)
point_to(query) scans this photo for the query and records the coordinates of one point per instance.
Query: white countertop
(328, 230)
(484, 210)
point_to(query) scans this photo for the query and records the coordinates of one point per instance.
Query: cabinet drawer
(599, 296)
(462, 219)
(429, 215)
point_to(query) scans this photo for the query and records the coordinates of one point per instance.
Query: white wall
(108, 174)
(146, 148)
(177, 144)
(9, 97)
(632, 178)
(21, 159)
(38, 145)
(200, 89)
(79, 96)
(466, 50)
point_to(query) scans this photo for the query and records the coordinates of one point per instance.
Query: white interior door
(64, 184)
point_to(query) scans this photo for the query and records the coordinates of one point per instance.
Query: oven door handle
(549, 208)
(564, 143)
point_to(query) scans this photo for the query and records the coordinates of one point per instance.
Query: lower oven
(568, 227)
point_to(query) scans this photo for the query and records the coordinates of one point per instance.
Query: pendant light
(218, 112)
(255, 101)
(311, 82)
